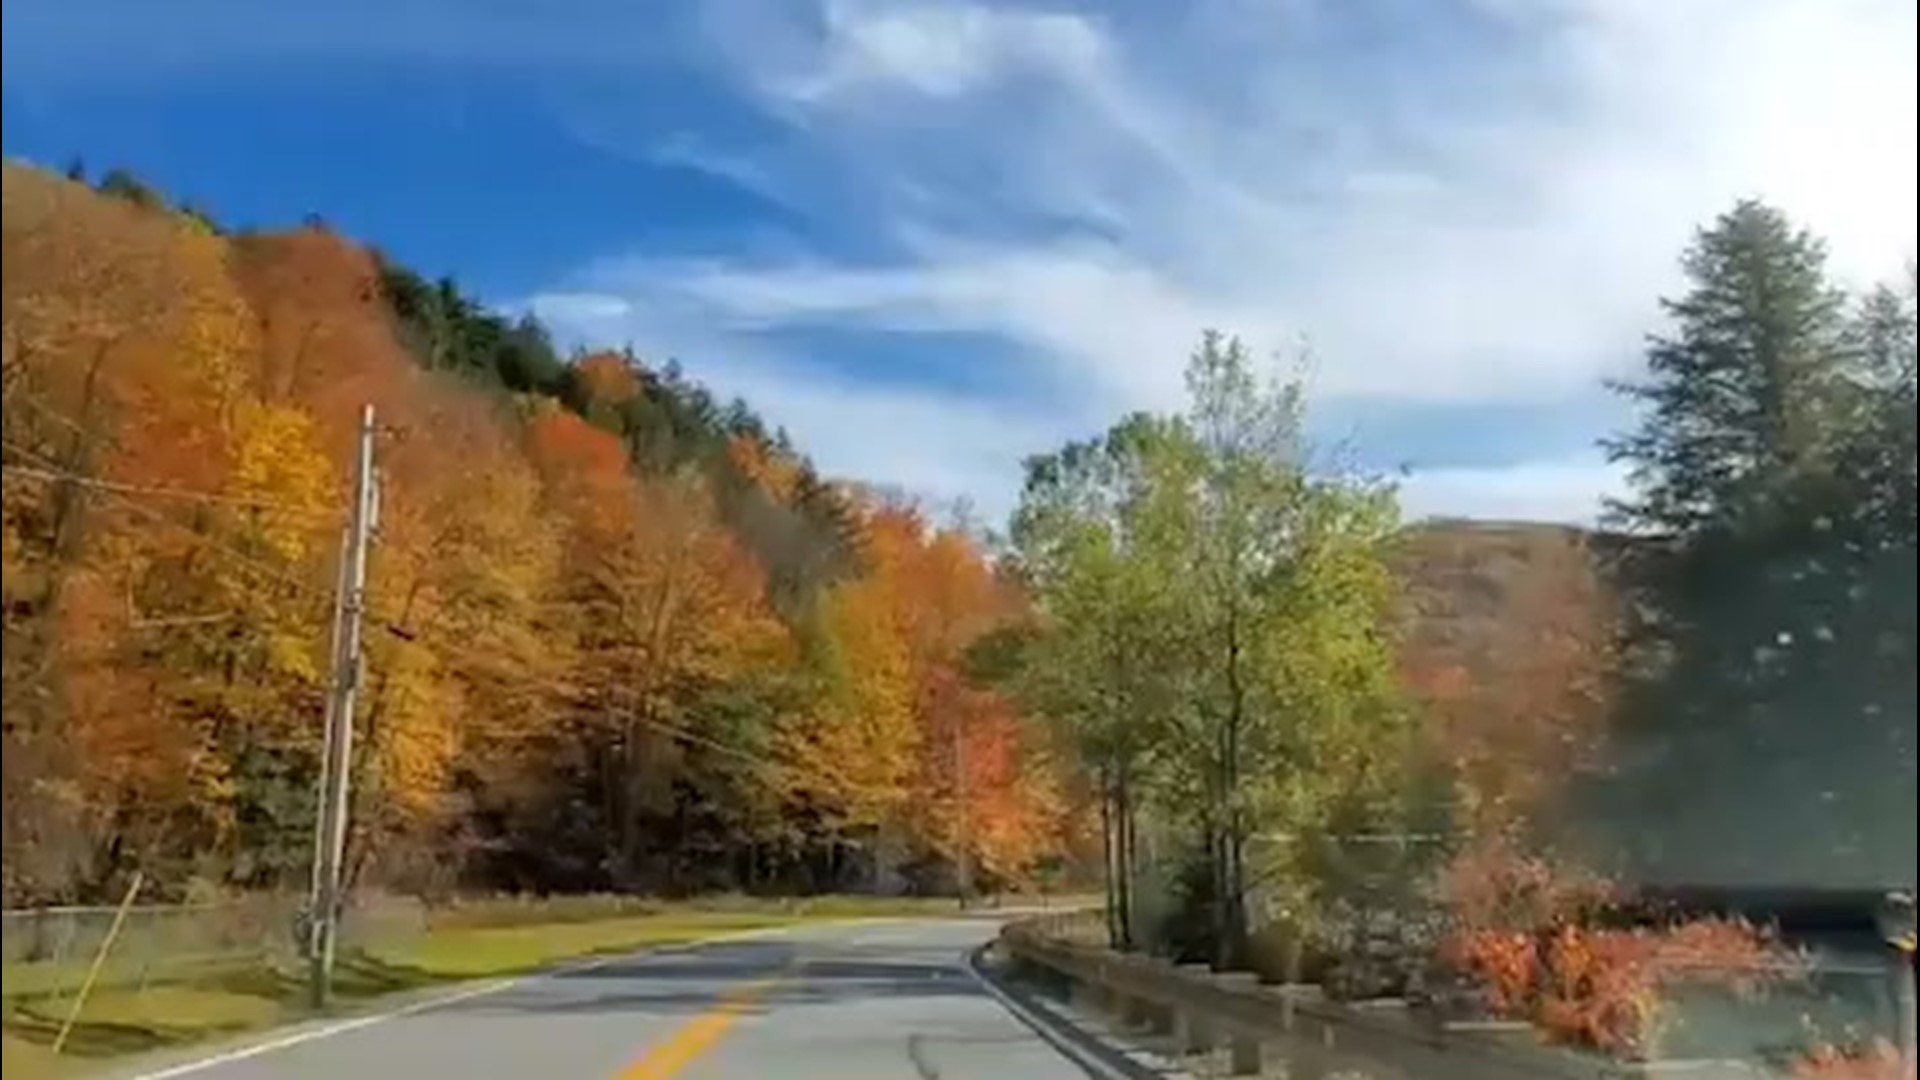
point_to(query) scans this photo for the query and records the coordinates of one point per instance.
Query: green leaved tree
(1212, 633)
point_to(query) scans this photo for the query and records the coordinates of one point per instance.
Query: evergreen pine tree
(1736, 394)
(1770, 728)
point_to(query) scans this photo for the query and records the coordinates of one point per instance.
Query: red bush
(1878, 1060)
(1524, 933)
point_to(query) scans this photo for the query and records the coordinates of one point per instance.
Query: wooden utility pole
(325, 900)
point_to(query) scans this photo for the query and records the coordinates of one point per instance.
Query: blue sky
(933, 236)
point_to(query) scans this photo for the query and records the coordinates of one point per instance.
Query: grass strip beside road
(494, 951)
(21, 1057)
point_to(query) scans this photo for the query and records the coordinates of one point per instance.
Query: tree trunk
(1233, 921)
(1109, 850)
(1217, 890)
(1124, 857)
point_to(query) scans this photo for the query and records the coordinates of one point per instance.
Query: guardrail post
(1248, 1055)
(1089, 995)
(1192, 1032)
(1246, 1051)
(1162, 1019)
(1158, 1016)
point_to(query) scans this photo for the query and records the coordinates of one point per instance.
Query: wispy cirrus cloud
(1527, 490)
(1004, 221)
(1466, 203)
(892, 432)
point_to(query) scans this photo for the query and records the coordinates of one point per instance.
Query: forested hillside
(1509, 635)
(620, 634)
(1726, 673)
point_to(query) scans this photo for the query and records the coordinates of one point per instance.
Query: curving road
(877, 1000)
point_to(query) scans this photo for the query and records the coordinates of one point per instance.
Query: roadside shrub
(1532, 939)
(1877, 1059)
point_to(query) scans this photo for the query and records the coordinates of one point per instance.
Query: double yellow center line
(665, 1059)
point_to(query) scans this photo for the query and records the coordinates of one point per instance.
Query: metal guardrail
(1258, 1027)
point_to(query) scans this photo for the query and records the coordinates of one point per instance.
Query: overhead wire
(126, 493)
(183, 494)
(200, 538)
(655, 723)
(464, 638)
(211, 497)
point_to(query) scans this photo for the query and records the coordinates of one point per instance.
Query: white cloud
(936, 49)
(937, 446)
(934, 447)
(1447, 220)
(1554, 490)
(1080, 304)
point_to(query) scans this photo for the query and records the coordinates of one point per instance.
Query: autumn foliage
(619, 634)
(1531, 936)
(1875, 1060)
(1508, 644)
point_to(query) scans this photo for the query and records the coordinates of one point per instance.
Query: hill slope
(1514, 639)
(621, 635)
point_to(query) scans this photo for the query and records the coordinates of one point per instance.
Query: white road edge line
(311, 1034)
(1041, 1026)
(463, 994)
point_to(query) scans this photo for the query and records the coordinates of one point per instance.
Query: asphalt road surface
(877, 1000)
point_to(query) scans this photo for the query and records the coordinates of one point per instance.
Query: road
(878, 1000)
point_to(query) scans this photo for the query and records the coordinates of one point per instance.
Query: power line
(680, 732)
(204, 540)
(125, 491)
(77, 428)
(185, 494)
(52, 413)
(650, 722)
